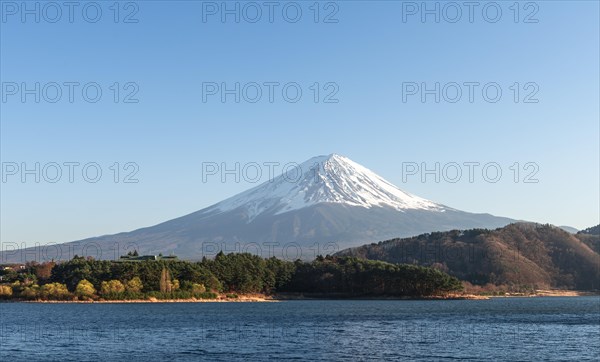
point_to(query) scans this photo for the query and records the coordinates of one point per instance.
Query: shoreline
(549, 293)
(262, 298)
(243, 298)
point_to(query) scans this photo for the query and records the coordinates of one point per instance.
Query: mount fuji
(326, 204)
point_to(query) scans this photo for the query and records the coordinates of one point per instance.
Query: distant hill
(591, 237)
(594, 230)
(569, 229)
(520, 254)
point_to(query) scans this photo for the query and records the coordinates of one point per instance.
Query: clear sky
(367, 55)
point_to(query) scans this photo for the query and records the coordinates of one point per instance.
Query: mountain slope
(324, 205)
(521, 254)
(590, 237)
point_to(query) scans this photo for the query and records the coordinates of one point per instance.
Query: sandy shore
(563, 293)
(219, 299)
(468, 297)
(548, 293)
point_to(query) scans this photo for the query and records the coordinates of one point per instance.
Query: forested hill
(591, 237)
(518, 255)
(594, 230)
(350, 277)
(88, 279)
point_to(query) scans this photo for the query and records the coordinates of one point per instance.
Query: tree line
(88, 279)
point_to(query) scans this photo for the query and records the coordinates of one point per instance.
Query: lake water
(515, 329)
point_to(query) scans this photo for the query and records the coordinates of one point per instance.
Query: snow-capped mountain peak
(324, 179)
(323, 205)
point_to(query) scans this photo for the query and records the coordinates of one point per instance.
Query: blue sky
(366, 57)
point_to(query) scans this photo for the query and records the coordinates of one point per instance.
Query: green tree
(85, 289)
(5, 291)
(214, 284)
(134, 285)
(30, 292)
(111, 287)
(55, 291)
(198, 288)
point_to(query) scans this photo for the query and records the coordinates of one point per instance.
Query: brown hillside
(521, 254)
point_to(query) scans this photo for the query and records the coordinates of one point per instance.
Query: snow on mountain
(324, 179)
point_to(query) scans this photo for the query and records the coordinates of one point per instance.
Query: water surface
(516, 329)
